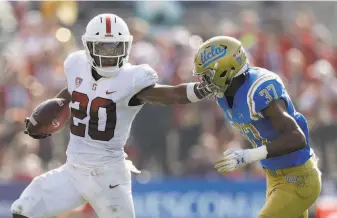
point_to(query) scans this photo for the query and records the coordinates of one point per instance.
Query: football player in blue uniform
(256, 103)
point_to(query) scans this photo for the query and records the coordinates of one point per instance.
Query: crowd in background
(180, 140)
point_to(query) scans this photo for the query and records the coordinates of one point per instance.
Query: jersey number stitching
(81, 113)
(265, 92)
(246, 128)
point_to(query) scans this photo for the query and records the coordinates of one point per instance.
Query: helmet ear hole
(233, 68)
(223, 74)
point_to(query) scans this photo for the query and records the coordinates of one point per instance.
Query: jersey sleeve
(262, 92)
(144, 76)
(70, 63)
(67, 64)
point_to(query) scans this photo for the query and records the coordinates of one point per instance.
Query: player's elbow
(299, 139)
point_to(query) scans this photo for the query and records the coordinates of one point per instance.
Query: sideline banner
(199, 199)
(178, 198)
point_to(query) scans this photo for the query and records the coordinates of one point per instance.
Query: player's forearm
(167, 95)
(185, 94)
(286, 143)
(291, 138)
(171, 95)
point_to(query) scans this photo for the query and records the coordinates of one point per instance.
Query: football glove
(231, 160)
(35, 136)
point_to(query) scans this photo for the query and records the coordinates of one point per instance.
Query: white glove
(231, 160)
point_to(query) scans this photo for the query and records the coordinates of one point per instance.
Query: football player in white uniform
(105, 93)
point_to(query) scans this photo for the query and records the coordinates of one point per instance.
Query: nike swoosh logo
(108, 93)
(113, 186)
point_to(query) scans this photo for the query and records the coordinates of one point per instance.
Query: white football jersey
(101, 117)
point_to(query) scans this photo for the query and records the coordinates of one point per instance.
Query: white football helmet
(107, 42)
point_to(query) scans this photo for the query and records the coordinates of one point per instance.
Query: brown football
(49, 116)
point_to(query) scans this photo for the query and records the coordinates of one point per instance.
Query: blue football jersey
(259, 89)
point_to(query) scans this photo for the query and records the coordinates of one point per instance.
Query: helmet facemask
(206, 79)
(108, 54)
(107, 57)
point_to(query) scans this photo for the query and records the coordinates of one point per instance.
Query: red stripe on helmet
(108, 25)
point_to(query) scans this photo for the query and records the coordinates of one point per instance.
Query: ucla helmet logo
(216, 52)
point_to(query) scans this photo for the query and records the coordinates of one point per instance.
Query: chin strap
(241, 71)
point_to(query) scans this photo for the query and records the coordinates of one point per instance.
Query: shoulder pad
(74, 58)
(145, 76)
(264, 90)
(142, 76)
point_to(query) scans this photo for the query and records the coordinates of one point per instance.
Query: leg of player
(276, 207)
(292, 192)
(116, 203)
(108, 190)
(48, 195)
(18, 216)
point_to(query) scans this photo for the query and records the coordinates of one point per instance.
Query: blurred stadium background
(174, 146)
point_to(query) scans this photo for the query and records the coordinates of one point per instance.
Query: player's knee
(19, 216)
(117, 211)
(19, 208)
(16, 208)
(130, 213)
(26, 207)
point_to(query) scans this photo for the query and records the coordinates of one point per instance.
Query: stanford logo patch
(78, 81)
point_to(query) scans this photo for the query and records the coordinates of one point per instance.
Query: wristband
(256, 154)
(190, 93)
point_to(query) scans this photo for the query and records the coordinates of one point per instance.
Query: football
(49, 116)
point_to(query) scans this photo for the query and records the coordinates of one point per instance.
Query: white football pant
(107, 189)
